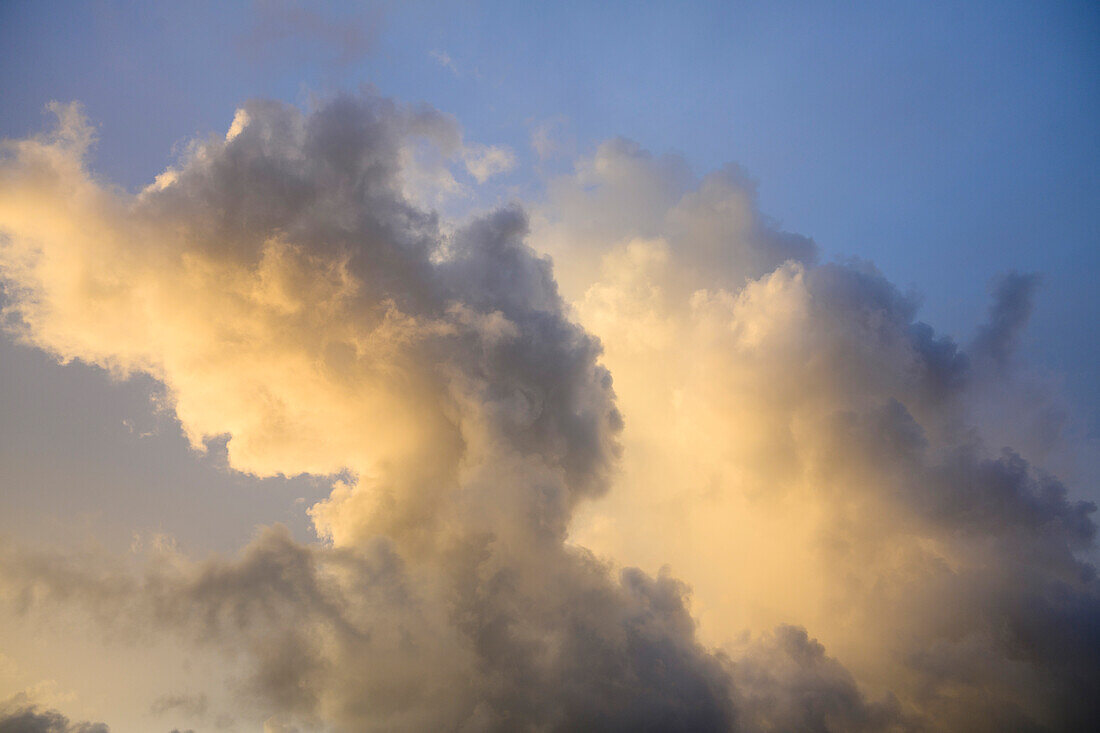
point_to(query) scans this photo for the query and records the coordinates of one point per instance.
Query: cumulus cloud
(287, 293)
(786, 434)
(809, 453)
(783, 680)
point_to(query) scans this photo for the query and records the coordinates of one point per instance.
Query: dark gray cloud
(1013, 296)
(327, 628)
(17, 715)
(784, 681)
(1015, 591)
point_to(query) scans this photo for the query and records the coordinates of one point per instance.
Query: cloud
(783, 680)
(547, 137)
(18, 715)
(350, 638)
(624, 193)
(805, 451)
(194, 706)
(785, 434)
(484, 161)
(1013, 296)
(289, 295)
(445, 61)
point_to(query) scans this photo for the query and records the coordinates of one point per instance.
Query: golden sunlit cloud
(802, 453)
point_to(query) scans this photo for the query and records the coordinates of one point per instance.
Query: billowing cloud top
(795, 442)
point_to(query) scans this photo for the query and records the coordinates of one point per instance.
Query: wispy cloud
(446, 61)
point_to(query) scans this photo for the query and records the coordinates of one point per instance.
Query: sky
(527, 366)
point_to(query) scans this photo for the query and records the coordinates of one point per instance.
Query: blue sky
(947, 142)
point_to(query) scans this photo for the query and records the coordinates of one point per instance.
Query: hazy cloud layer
(797, 445)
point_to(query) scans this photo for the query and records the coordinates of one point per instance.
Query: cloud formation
(287, 293)
(1012, 302)
(17, 715)
(811, 453)
(785, 434)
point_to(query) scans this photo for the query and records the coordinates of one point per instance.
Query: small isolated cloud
(485, 161)
(548, 138)
(189, 705)
(1013, 300)
(445, 61)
